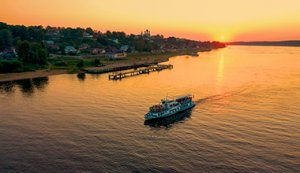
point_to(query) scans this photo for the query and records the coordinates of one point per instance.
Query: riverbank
(137, 60)
(131, 60)
(28, 75)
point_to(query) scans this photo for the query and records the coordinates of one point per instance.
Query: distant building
(51, 46)
(146, 35)
(70, 50)
(116, 55)
(116, 40)
(49, 42)
(124, 48)
(111, 49)
(83, 47)
(87, 35)
(97, 51)
(53, 33)
(8, 53)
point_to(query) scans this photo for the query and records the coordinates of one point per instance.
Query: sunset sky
(228, 20)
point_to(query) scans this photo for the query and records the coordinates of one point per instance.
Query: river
(246, 118)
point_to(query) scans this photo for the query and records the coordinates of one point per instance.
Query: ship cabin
(184, 98)
(157, 108)
(169, 103)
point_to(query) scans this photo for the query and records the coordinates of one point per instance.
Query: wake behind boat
(170, 106)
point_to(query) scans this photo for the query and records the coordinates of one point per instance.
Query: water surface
(247, 118)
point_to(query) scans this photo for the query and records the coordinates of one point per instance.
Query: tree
(23, 51)
(33, 53)
(42, 56)
(5, 38)
(10, 66)
(80, 64)
(20, 31)
(171, 40)
(103, 41)
(97, 62)
(36, 33)
(3, 25)
(38, 54)
(89, 30)
(139, 45)
(108, 34)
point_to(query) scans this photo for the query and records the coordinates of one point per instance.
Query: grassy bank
(69, 63)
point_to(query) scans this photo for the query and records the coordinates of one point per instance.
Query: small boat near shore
(194, 54)
(170, 106)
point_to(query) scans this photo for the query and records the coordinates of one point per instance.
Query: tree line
(31, 42)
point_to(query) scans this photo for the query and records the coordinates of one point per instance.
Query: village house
(124, 48)
(87, 35)
(49, 42)
(116, 41)
(84, 47)
(70, 50)
(8, 53)
(51, 46)
(116, 55)
(111, 49)
(97, 51)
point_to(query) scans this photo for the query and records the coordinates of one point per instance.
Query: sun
(222, 38)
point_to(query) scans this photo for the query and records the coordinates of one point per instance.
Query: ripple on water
(246, 118)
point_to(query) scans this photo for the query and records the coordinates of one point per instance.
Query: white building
(70, 50)
(116, 55)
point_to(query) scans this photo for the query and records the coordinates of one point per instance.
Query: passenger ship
(169, 107)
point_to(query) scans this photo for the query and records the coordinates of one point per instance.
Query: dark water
(247, 118)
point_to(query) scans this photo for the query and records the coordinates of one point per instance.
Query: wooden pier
(152, 68)
(112, 68)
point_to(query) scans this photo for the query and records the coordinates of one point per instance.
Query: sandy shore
(29, 75)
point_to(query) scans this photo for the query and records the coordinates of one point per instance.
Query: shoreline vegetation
(37, 51)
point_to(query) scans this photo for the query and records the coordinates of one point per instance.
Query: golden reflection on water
(248, 104)
(220, 70)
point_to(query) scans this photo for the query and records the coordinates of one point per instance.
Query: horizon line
(128, 33)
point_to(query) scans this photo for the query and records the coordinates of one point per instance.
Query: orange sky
(224, 20)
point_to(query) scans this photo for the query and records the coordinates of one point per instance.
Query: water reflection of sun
(220, 69)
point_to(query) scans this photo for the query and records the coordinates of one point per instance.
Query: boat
(194, 54)
(170, 106)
